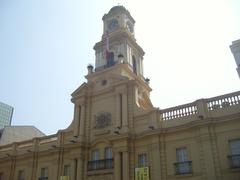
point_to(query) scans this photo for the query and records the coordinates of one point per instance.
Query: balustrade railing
(199, 106)
(223, 101)
(179, 111)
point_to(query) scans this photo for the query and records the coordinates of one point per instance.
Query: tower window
(134, 65)
(110, 59)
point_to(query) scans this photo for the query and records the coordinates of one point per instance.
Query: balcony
(183, 167)
(100, 164)
(43, 178)
(234, 161)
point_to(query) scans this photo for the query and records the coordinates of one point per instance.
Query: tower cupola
(118, 44)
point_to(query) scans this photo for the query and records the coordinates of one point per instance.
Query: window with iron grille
(44, 173)
(183, 165)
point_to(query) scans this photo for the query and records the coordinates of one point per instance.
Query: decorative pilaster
(124, 110)
(34, 164)
(80, 164)
(206, 154)
(125, 174)
(215, 153)
(82, 120)
(118, 113)
(77, 110)
(163, 159)
(73, 169)
(117, 166)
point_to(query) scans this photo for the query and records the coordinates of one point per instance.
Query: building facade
(6, 113)
(117, 134)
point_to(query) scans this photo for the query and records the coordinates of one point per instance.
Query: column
(125, 166)
(117, 166)
(77, 119)
(82, 120)
(80, 169)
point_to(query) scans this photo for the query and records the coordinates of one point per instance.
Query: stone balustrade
(223, 101)
(202, 107)
(179, 111)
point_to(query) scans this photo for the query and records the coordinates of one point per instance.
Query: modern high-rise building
(235, 48)
(6, 113)
(116, 132)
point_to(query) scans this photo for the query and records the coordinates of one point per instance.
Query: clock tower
(116, 89)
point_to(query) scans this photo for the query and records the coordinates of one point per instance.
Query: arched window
(134, 63)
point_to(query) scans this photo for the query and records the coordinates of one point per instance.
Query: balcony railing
(43, 178)
(183, 167)
(234, 160)
(100, 164)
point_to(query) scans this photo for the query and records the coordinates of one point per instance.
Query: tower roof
(117, 10)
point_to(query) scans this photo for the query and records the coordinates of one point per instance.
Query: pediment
(81, 90)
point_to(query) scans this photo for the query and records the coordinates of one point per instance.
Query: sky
(46, 45)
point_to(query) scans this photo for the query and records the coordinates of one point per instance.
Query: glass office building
(6, 113)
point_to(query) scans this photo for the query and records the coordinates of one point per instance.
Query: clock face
(112, 25)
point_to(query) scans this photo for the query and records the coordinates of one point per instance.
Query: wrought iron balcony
(183, 167)
(234, 160)
(100, 164)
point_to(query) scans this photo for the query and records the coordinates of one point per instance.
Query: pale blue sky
(45, 46)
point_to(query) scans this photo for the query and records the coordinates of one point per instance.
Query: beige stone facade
(116, 132)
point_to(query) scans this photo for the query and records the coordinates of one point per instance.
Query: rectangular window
(235, 146)
(95, 155)
(235, 153)
(44, 172)
(66, 171)
(108, 153)
(108, 158)
(95, 159)
(181, 154)
(21, 175)
(183, 165)
(142, 160)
